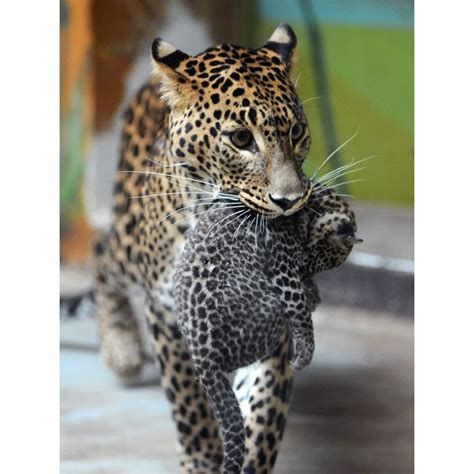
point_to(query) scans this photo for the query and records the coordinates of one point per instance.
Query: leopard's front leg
(120, 340)
(200, 445)
(264, 393)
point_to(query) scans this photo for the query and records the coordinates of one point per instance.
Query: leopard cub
(241, 284)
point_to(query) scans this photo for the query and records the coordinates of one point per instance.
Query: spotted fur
(238, 288)
(178, 154)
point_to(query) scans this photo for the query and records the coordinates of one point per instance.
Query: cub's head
(330, 227)
(236, 120)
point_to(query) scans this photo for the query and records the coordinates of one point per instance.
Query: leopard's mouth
(272, 210)
(260, 207)
(301, 203)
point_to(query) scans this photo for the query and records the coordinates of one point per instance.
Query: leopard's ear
(166, 58)
(283, 41)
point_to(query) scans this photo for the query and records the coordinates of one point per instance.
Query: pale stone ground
(352, 409)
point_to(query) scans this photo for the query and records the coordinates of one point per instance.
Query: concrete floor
(352, 409)
(386, 230)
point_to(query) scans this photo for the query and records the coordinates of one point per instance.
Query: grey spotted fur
(239, 288)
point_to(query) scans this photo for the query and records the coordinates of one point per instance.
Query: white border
(30, 238)
(444, 315)
(29, 177)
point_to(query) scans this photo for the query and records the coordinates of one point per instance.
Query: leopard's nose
(283, 202)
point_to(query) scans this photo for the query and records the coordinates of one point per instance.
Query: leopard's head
(236, 120)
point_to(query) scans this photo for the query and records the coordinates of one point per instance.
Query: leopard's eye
(242, 138)
(296, 132)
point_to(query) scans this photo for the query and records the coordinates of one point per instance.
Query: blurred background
(353, 408)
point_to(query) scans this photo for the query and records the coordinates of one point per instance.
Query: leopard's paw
(122, 352)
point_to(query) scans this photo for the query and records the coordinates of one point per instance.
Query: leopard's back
(139, 248)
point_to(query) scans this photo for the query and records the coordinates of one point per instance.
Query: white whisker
(336, 150)
(328, 182)
(295, 85)
(311, 98)
(231, 206)
(341, 184)
(256, 232)
(342, 168)
(224, 219)
(175, 176)
(173, 194)
(250, 225)
(313, 211)
(240, 225)
(166, 165)
(208, 201)
(262, 222)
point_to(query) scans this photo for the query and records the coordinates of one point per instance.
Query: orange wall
(76, 125)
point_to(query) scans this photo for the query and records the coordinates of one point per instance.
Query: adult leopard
(228, 119)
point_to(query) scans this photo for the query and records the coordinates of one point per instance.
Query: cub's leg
(227, 411)
(198, 435)
(302, 340)
(264, 393)
(298, 314)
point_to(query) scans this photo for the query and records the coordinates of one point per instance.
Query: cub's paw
(122, 352)
(301, 355)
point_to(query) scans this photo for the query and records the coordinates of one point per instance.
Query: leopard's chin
(267, 208)
(261, 207)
